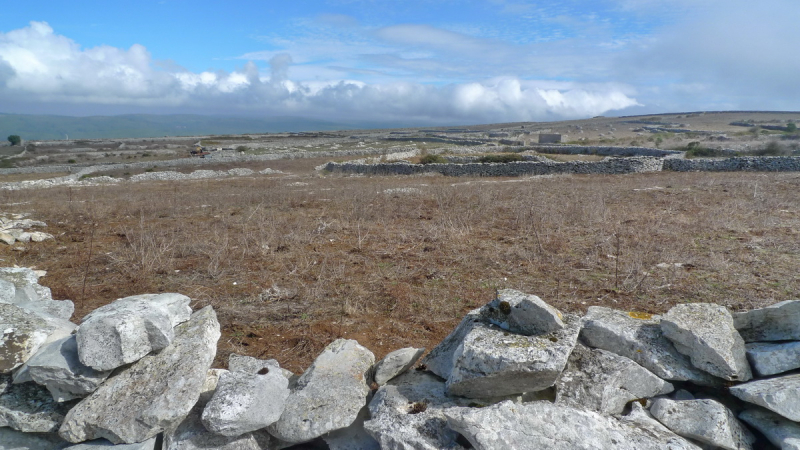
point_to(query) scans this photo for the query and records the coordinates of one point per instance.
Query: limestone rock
(440, 359)
(11, 439)
(783, 433)
(604, 382)
(641, 418)
(707, 421)
(780, 394)
(29, 408)
(492, 363)
(329, 394)
(152, 394)
(248, 364)
(641, 340)
(103, 443)
(778, 322)
(129, 328)
(396, 363)
(40, 236)
(57, 367)
(24, 332)
(245, 402)
(408, 413)
(7, 238)
(522, 313)
(354, 437)
(541, 425)
(29, 294)
(705, 333)
(770, 358)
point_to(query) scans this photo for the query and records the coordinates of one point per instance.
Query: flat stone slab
(778, 322)
(605, 382)
(395, 363)
(129, 328)
(781, 432)
(780, 394)
(707, 421)
(770, 358)
(328, 395)
(638, 337)
(522, 313)
(11, 439)
(149, 444)
(152, 394)
(491, 362)
(29, 407)
(543, 425)
(23, 332)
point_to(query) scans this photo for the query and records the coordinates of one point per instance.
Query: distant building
(550, 138)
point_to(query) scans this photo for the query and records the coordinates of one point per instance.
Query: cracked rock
(395, 363)
(780, 394)
(707, 421)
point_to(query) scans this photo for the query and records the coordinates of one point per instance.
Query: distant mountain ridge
(48, 127)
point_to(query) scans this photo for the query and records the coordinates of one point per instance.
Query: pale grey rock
(245, 402)
(440, 359)
(8, 291)
(707, 421)
(770, 358)
(23, 332)
(522, 313)
(129, 328)
(638, 337)
(29, 408)
(682, 394)
(408, 413)
(29, 294)
(11, 439)
(641, 418)
(780, 394)
(491, 362)
(543, 425)
(783, 433)
(604, 382)
(57, 367)
(705, 333)
(248, 364)
(154, 393)
(395, 363)
(328, 395)
(39, 236)
(7, 238)
(149, 444)
(778, 322)
(354, 437)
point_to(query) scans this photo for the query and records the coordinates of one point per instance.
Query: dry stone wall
(735, 164)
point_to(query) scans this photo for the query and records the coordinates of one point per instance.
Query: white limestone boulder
(779, 394)
(770, 358)
(29, 408)
(491, 362)
(638, 337)
(440, 359)
(604, 382)
(152, 394)
(57, 367)
(641, 418)
(522, 313)
(248, 364)
(395, 363)
(778, 322)
(129, 328)
(705, 333)
(23, 332)
(245, 402)
(20, 286)
(783, 433)
(328, 395)
(543, 425)
(706, 421)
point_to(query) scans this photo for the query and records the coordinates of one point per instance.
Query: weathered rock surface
(354, 437)
(783, 433)
(152, 394)
(129, 328)
(522, 313)
(770, 358)
(29, 407)
(328, 395)
(21, 287)
(408, 413)
(248, 364)
(778, 322)
(707, 421)
(103, 443)
(24, 332)
(57, 367)
(11, 439)
(705, 333)
(780, 394)
(491, 362)
(395, 363)
(641, 340)
(641, 418)
(440, 359)
(604, 382)
(245, 402)
(541, 425)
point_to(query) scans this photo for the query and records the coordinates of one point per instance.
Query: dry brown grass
(292, 262)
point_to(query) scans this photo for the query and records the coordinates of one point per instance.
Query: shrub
(432, 159)
(71, 161)
(500, 158)
(791, 127)
(773, 148)
(695, 150)
(241, 149)
(14, 139)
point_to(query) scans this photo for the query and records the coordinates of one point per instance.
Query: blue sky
(428, 61)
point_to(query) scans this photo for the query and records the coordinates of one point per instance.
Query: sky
(438, 62)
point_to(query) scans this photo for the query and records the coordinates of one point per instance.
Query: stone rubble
(515, 373)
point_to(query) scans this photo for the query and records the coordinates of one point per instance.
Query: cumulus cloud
(39, 66)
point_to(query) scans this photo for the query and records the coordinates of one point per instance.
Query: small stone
(7, 238)
(780, 394)
(246, 402)
(39, 236)
(149, 444)
(707, 421)
(778, 322)
(770, 358)
(395, 363)
(783, 433)
(522, 313)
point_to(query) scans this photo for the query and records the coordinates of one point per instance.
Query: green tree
(14, 139)
(791, 127)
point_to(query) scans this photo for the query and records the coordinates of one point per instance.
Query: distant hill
(46, 127)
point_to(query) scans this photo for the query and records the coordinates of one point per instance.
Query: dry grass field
(291, 262)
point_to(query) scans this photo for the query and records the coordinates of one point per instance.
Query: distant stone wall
(607, 151)
(736, 164)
